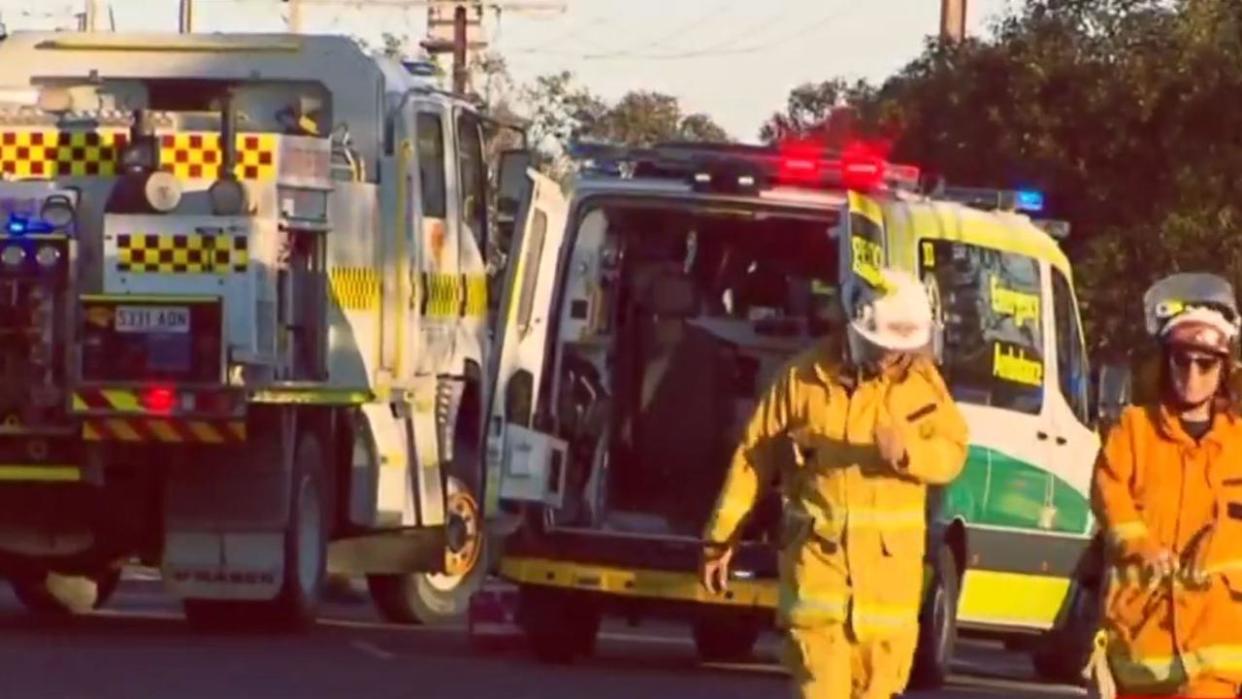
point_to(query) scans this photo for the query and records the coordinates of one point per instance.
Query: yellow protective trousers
(830, 662)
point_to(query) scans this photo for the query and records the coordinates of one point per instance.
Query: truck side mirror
(512, 184)
(513, 188)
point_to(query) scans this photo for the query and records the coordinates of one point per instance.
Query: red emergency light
(159, 399)
(861, 166)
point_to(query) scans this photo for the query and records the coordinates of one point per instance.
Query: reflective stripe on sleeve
(1127, 531)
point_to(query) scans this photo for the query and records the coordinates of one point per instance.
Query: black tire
(439, 598)
(82, 593)
(1063, 653)
(720, 638)
(296, 606)
(933, 656)
(558, 627)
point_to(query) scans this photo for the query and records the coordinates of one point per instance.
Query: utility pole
(186, 17)
(461, 76)
(295, 16)
(460, 42)
(953, 20)
(90, 16)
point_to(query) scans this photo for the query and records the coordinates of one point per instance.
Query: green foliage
(1124, 111)
(562, 112)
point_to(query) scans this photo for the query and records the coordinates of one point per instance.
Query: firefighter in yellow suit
(868, 435)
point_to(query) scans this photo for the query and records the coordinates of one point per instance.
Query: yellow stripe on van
(636, 582)
(56, 473)
(1011, 599)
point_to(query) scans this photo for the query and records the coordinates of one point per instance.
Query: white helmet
(1193, 310)
(895, 317)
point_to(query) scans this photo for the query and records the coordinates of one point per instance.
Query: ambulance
(649, 308)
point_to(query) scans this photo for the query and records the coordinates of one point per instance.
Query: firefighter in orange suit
(868, 434)
(1168, 494)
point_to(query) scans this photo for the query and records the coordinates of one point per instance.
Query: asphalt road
(140, 647)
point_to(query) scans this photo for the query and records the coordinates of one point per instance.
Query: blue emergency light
(17, 225)
(1029, 200)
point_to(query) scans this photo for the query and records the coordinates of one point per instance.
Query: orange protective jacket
(1156, 487)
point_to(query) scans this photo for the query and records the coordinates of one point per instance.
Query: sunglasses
(1184, 360)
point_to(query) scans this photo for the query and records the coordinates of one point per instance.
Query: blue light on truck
(17, 225)
(1030, 200)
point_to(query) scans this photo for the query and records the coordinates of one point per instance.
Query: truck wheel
(559, 628)
(296, 606)
(53, 594)
(725, 638)
(1062, 653)
(430, 598)
(937, 624)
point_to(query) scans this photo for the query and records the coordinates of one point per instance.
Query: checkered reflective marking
(197, 155)
(355, 288)
(159, 253)
(54, 153)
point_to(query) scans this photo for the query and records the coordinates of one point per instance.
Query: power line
(680, 29)
(713, 50)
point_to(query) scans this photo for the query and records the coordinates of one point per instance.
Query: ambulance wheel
(52, 594)
(937, 624)
(431, 598)
(558, 628)
(725, 638)
(1062, 654)
(296, 605)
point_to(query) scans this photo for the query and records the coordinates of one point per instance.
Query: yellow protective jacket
(853, 535)
(1156, 487)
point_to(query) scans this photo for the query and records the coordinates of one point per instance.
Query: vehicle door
(522, 463)
(1074, 442)
(437, 276)
(995, 341)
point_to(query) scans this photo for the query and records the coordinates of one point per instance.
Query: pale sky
(733, 59)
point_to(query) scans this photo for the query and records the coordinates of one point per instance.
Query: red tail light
(159, 399)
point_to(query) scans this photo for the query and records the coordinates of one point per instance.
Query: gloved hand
(1156, 563)
(890, 439)
(1195, 571)
(714, 570)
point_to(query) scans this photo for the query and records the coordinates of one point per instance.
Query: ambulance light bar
(1030, 201)
(733, 168)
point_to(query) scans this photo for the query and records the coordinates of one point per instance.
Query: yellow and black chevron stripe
(454, 295)
(355, 288)
(163, 430)
(194, 253)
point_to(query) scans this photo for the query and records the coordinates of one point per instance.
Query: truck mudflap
(638, 582)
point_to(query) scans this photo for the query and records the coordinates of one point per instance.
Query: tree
(643, 118)
(562, 112)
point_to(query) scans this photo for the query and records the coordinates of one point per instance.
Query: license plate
(152, 319)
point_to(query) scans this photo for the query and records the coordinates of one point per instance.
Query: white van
(645, 316)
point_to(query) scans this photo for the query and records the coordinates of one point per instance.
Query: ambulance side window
(1071, 356)
(431, 164)
(993, 338)
(530, 276)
